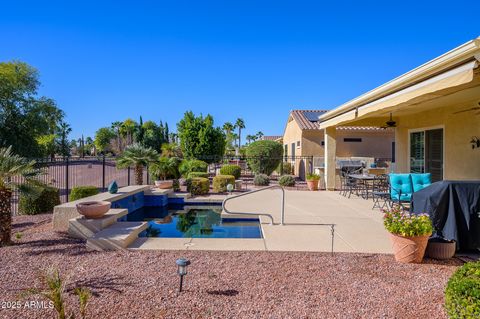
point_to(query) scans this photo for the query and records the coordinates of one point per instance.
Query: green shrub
(462, 295)
(234, 170)
(261, 180)
(198, 185)
(82, 192)
(263, 157)
(193, 165)
(44, 202)
(285, 168)
(176, 185)
(220, 182)
(198, 174)
(313, 177)
(286, 180)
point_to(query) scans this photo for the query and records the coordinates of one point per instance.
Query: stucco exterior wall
(374, 144)
(312, 143)
(461, 162)
(292, 134)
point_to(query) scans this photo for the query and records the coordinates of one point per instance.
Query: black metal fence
(69, 172)
(292, 165)
(66, 173)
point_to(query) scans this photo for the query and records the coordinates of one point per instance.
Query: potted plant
(312, 181)
(164, 171)
(409, 234)
(440, 248)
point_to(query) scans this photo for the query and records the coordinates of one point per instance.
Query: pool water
(201, 222)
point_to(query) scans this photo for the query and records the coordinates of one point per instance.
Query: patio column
(330, 155)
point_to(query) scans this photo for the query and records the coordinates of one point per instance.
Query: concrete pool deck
(358, 228)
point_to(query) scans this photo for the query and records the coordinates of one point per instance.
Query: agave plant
(137, 156)
(16, 173)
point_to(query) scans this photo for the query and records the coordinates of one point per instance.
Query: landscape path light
(182, 264)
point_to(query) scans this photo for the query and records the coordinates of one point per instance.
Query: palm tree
(171, 150)
(13, 167)
(165, 168)
(116, 126)
(259, 135)
(138, 156)
(228, 128)
(239, 124)
(250, 138)
(127, 129)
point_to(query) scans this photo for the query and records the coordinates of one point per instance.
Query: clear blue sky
(251, 59)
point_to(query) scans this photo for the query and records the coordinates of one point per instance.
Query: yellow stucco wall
(292, 134)
(461, 162)
(374, 144)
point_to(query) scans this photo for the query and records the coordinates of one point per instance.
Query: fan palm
(165, 168)
(239, 124)
(14, 167)
(137, 156)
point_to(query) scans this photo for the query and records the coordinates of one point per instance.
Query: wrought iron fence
(291, 165)
(69, 172)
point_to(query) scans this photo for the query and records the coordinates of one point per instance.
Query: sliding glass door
(426, 153)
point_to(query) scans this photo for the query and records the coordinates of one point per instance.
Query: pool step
(80, 227)
(117, 236)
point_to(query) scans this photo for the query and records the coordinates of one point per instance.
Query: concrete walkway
(358, 227)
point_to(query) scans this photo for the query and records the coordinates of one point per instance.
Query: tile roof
(271, 137)
(361, 128)
(304, 118)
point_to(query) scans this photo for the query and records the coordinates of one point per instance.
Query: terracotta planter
(164, 184)
(238, 184)
(313, 185)
(93, 209)
(441, 250)
(409, 249)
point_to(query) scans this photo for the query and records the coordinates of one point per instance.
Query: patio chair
(420, 181)
(401, 188)
(381, 192)
(348, 184)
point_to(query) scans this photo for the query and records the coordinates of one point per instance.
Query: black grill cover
(454, 208)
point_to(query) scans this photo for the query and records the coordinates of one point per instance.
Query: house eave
(464, 53)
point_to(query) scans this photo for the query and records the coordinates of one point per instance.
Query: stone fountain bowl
(93, 209)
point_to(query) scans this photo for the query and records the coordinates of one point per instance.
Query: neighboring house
(303, 138)
(435, 110)
(276, 138)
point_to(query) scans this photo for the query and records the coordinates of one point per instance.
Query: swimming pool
(193, 222)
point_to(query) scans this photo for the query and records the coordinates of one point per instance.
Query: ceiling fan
(390, 123)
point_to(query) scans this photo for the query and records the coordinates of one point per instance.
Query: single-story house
(303, 139)
(434, 110)
(275, 138)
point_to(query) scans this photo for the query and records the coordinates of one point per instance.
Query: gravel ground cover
(220, 284)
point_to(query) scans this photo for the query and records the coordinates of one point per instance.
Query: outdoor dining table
(365, 180)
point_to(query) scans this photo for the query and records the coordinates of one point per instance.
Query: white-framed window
(426, 151)
(298, 144)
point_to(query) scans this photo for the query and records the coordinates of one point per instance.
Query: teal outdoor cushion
(420, 181)
(400, 187)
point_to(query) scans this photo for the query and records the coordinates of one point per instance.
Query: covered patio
(434, 110)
